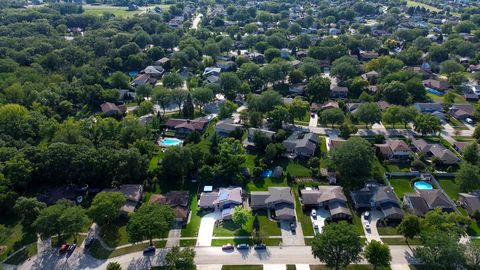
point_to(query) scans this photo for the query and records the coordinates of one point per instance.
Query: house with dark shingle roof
(443, 154)
(423, 201)
(184, 127)
(375, 196)
(177, 200)
(133, 194)
(225, 127)
(461, 111)
(394, 150)
(301, 144)
(330, 198)
(111, 109)
(277, 199)
(436, 84)
(428, 107)
(470, 201)
(225, 199)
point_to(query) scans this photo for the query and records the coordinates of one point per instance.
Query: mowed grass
(350, 267)
(401, 185)
(191, 229)
(242, 267)
(98, 252)
(267, 227)
(450, 187)
(14, 236)
(303, 217)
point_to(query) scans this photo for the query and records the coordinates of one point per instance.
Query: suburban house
(330, 198)
(428, 107)
(249, 143)
(279, 200)
(370, 76)
(423, 201)
(154, 71)
(375, 196)
(184, 127)
(436, 84)
(133, 194)
(394, 150)
(332, 143)
(338, 92)
(470, 201)
(162, 61)
(443, 154)
(178, 200)
(143, 79)
(225, 127)
(367, 56)
(225, 200)
(461, 111)
(111, 109)
(301, 144)
(212, 71)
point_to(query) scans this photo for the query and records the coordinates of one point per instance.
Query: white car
(367, 225)
(469, 120)
(366, 215)
(314, 213)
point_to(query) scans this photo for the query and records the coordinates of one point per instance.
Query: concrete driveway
(313, 120)
(206, 229)
(322, 216)
(174, 235)
(372, 234)
(289, 238)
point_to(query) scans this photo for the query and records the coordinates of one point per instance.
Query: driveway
(322, 216)
(206, 229)
(289, 238)
(174, 235)
(372, 234)
(313, 120)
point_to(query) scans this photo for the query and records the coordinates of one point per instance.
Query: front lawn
(191, 229)
(267, 226)
(401, 185)
(250, 241)
(450, 187)
(98, 252)
(14, 236)
(228, 228)
(23, 255)
(387, 230)
(350, 267)
(188, 242)
(303, 217)
(400, 241)
(115, 235)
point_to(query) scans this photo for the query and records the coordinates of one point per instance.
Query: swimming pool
(433, 91)
(267, 173)
(170, 142)
(422, 185)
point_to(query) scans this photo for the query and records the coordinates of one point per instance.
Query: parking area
(319, 220)
(370, 225)
(205, 231)
(290, 238)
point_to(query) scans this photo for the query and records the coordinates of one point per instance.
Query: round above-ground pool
(170, 142)
(422, 185)
(267, 173)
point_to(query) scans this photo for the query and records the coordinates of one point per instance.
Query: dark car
(243, 246)
(292, 226)
(227, 247)
(63, 248)
(149, 250)
(89, 241)
(260, 247)
(71, 248)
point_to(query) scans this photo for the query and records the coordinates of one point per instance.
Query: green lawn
(357, 221)
(115, 235)
(303, 217)
(250, 241)
(401, 185)
(23, 255)
(387, 230)
(400, 241)
(267, 227)
(456, 124)
(97, 251)
(397, 167)
(242, 267)
(450, 187)
(14, 236)
(191, 229)
(228, 228)
(188, 242)
(350, 267)
(117, 11)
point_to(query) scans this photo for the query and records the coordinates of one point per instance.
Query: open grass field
(401, 185)
(117, 11)
(411, 3)
(450, 187)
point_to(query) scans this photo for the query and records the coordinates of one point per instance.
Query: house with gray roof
(301, 144)
(423, 201)
(375, 196)
(394, 150)
(133, 195)
(330, 198)
(279, 200)
(249, 143)
(440, 152)
(470, 201)
(225, 127)
(225, 199)
(428, 107)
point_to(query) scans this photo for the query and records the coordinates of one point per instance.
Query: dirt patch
(3, 249)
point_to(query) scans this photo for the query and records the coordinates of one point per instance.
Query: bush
(257, 171)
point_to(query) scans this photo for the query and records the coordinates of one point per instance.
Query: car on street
(260, 247)
(63, 248)
(227, 247)
(314, 213)
(149, 250)
(243, 246)
(292, 226)
(71, 248)
(367, 225)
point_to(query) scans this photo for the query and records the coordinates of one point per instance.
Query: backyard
(401, 185)
(450, 187)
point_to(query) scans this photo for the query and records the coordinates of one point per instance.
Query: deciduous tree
(149, 221)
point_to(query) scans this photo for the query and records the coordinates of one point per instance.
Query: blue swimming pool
(433, 91)
(422, 185)
(267, 173)
(170, 142)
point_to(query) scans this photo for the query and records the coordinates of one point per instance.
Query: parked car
(227, 247)
(63, 248)
(469, 120)
(367, 225)
(259, 246)
(366, 215)
(149, 250)
(314, 213)
(71, 248)
(89, 241)
(243, 246)
(292, 226)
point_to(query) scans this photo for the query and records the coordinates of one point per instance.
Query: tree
(440, 251)
(407, 115)
(345, 68)
(337, 246)
(230, 84)
(468, 177)
(409, 227)
(105, 207)
(377, 254)
(451, 66)
(427, 124)
(202, 96)
(472, 254)
(177, 162)
(353, 160)
(178, 97)
(470, 153)
(298, 108)
(172, 80)
(242, 217)
(396, 93)
(264, 102)
(188, 109)
(163, 96)
(28, 209)
(332, 117)
(278, 116)
(180, 258)
(318, 88)
(271, 53)
(296, 76)
(392, 115)
(114, 266)
(227, 109)
(368, 113)
(144, 90)
(149, 221)
(119, 80)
